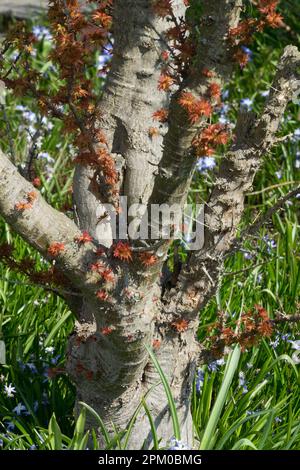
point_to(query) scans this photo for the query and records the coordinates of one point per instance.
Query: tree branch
(177, 163)
(41, 225)
(254, 137)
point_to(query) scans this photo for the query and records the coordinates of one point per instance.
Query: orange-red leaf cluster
(196, 108)
(123, 251)
(208, 140)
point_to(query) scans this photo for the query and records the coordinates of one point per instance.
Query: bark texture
(112, 372)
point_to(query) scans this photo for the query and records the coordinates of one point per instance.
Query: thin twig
(254, 227)
(248, 269)
(273, 186)
(58, 292)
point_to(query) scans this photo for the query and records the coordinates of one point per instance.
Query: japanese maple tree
(140, 137)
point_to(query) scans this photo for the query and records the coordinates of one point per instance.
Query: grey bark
(113, 372)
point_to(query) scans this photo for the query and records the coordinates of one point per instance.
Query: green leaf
(230, 370)
(172, 406)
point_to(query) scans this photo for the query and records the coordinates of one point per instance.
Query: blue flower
(205, 163)
(278, 174)
(248, 52)
(55, 359)
(295, 344)
(214, 365)
(242, 382)
(40, 32)
(177, 445)
(271, 244)
(297, 161)
(246, 103)
(248, 255)
(265, 93)
(275, 343)
(19, 409)
(10, 426)
(31, 367)
(297, 134)
(199, 380)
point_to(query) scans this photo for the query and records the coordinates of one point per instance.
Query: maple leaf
(186, 100)
(241, 57)
(22, 206)
(107, 275)
(194, 107)
(208, 73)
(165, 82)
(102, 294)
(56, 248)
(123, 251)
(274, 20)
(161, 115)
(106, 330)
(147, 258)
(156, 343)
(180, 325)
(103, 18)
(85, 237)
(31, 196)
(267, 6)
(215, 90)
(162, 8)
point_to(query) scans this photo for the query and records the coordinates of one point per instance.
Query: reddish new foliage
(247, 332)
(77, 35)
(85, 237)
(107, 275)
(102, 294)
(147, 258)
(107, 330)
(194, 107)
(156, 343)
(214, 90)
(123, 251)
(207, 141)
(97, 267)
(56, 248)
(24, 205)
(162, 8)
(208, 73)
(161, 115)
(180, 325)
(241, 57)
(243, 33)
(165, 82)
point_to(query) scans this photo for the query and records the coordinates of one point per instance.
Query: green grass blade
(172, 405)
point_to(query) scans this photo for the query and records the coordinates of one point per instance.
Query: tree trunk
(113, 373)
